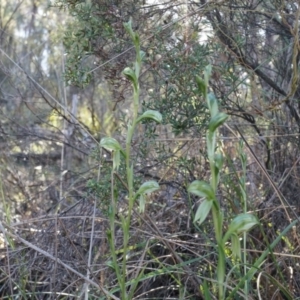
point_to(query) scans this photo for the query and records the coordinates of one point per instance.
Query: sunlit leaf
(217, 121)
(116, 160)
(130, 74)
(241, 223)
(211, 144)
(207, 74)
(201, 189)
(110, 144)
(235, 246)
(219, 160)
(203, 211)
(142, 203)
(151, 114)
(201, 85)
(148, 187)
(142, 54)
(212, 104)
(110, 264)
(128, 27)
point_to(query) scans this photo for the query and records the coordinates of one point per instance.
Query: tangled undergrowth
(175, 255)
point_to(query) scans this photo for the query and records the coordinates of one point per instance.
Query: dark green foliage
(179, 100)
(95, 36)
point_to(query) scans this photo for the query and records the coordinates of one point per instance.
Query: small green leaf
(148, 187)
(110, 144)
(241, 223)
(216, 174)
(217, 121)
(136, 39)
(203, 211)
(211, 144)
(111, 265)
(202, 189)
(142, 54)
(151, 114)
(207, 74)
(212, 104)
(201, 86)
(116, 160)
(142, 203)
(128, 27)
(235, 246)
(219, 160)
(130, 74)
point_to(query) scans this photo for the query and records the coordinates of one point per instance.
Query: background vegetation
(64, 202)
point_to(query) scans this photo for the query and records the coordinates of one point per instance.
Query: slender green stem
(242, 182)
(147, 187)
(217, 214)
(112, 236)
(129, 168)
(242, 222)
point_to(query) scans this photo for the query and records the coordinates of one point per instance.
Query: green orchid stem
(242, 183)
(129, 168)
(242, 222)
(218, 223)
(216, 210)
(147, 187)
(217, 214)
